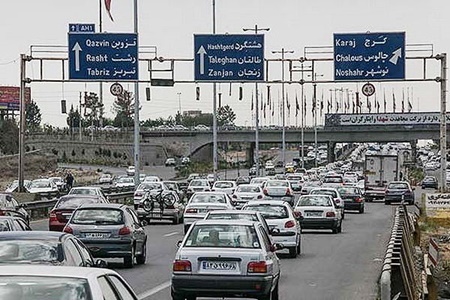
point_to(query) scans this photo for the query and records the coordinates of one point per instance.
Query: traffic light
(63, 107)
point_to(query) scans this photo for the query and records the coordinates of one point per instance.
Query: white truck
(379, 170)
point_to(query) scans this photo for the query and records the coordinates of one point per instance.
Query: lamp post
(256, 29)
(314, 76)
(283, 52)
(214, 101)
(179, 106)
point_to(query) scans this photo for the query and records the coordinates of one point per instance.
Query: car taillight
(191, 211)
(181, 266)
(289, 224)
(358, 200)
(124, 230)
(259, 197)
(265, 192)
(52, 216)
(337, 201)
(234, 196)
(257, 267)
(2, 213)
(68, 229)
(288, 192)
(297, 214)
(330, 214)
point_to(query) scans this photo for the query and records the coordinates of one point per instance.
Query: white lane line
(154, 290)
(172, 233)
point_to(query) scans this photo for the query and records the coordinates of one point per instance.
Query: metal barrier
(398, 277)
(37, 209)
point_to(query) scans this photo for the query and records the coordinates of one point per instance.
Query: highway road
(341, 266)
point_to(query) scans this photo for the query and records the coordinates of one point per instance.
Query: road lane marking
(172, 233)
(154, 290)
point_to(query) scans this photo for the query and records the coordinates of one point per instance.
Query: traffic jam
(237, 233)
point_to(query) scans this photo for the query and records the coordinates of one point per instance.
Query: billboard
(10, 97)
(423, 118)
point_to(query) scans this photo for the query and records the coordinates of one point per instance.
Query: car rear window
(226, 216)
(82, 192)
(333, 179)
(105, 216)
(348, 191)
(277, 183)
(248, 189)
(223, 236)
(50, 288)
(73, 202)
(402, 186)
(324, 192)
(314, 201)
(4, 226)
(270, 211)
(28, 251)
(211, 198)
(223, 185)
(199, 183)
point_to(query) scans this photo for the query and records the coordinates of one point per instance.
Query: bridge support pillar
(330, 151)
(251, 154)
(413, 151)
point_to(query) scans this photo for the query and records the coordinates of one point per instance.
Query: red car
(61, 213)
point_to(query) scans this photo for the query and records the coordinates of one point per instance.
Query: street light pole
(179, 103)
(256, 29)
(283, 51)
(215, 160)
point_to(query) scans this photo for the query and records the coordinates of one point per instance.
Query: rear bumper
(398, 198)
(105, 249)
(353, 205)
(56, 226)
(319, 223)
(221, 286)
(168, 214)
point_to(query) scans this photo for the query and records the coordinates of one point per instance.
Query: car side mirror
(276, 246)
(179, 244)
(100, 263)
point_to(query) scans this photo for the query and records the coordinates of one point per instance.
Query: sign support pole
(136, 109)
(215, 159)
(22, 122)
(443, 138)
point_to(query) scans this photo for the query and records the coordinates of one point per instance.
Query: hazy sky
(170, 25)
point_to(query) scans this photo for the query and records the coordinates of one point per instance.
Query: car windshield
(82, 192)
(270, 211)
(398, 185)
(199, 183)
(277, 183)
(4, 226)
(248, 189)
(208, 198)
(30, 251)
(98, 216)
(73, 202)
(314, 201)
(151, 178)
(227, 216)
(348, 191)
(40, 184)
(54, 288)
(324, 192)
(223, 236)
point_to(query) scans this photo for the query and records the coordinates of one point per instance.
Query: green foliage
(225, 115)
(33, 116)
(194, 167)
(9, 137)
(123, 106)
(73, 118)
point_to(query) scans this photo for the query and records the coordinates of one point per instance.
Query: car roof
(53, 271)
(265, 202)
(103, 205)
(85, 187)
(33, 235)
(233, 212)
(225, 222)
(210, 193)
(80, 196)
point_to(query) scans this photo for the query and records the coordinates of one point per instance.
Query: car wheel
(177, 296)
(175, 220)
(387, 202)
(335, 230)
(293, 252)
(275, 295)
(299, 248)
(129, 260)
(339, 229)
(361, 210)
(140, 259)
(343, 215)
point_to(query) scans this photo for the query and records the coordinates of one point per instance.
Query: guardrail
(38, 209)
(399, 279)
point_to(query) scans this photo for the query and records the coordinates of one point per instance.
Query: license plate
(96, 235)
(314, 214)
(219, 265)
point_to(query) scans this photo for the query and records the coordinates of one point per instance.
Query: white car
(247, 192)
(43, 187)
(198, 185)
(319, 212)
(202, 127)
(334, 193)
(131, 170)
(105, 178)
(279, 190)
(170, 162)
(88, 190)
(201, 203)
(226, 186)
(283, 223)
(151, 178)
(125, 182)
(62, 282)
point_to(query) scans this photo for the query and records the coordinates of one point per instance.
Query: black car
(352, 197)
(398, 191)
(45, 247)
(430, 182)
(10, 223)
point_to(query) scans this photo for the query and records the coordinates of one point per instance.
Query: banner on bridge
(423, 118)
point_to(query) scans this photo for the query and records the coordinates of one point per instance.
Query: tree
(73, 118)
(9, 139)
(123, 106)
(33, 115)
(225, 116)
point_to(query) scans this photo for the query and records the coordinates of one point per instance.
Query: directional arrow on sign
(77, 50)
(202, 53)
(396, 55)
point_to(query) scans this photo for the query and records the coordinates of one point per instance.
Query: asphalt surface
(331, 266)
